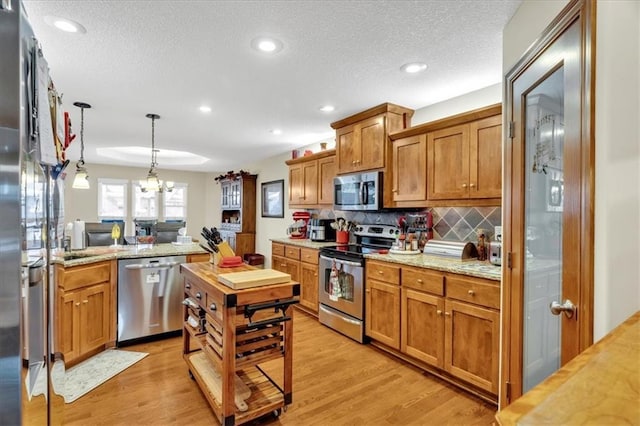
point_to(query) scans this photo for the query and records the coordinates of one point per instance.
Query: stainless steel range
(342, 279)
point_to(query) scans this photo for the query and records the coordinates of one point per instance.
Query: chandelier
(81, 180)
(152, 183)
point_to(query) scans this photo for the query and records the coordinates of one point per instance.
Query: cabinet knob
(353, 162)
(471, 292)
(367, 291)
(198, 295)
(472, 185)
(213, 307)
(394, 190)
(439, 312)
(420, 280)
(85, 301)
(283, 265)
(380, 272)
(77, 303)
(187, 286)
(464, 185)
(447, 314)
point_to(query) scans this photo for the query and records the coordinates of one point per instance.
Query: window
(175, 203)
(145, 204)
(112, 199)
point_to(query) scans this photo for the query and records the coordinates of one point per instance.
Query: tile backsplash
(449, 223)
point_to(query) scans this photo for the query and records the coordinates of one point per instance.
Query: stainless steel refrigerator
(30, 214)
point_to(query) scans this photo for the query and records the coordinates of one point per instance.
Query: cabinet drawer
(480, 292)
(85, 275)
(382, 271)
(214, 305)
(277, 249)
(309, 256)
(292, 252)
(423, 279)
(195, 292)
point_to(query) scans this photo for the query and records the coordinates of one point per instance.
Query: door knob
(567, 307)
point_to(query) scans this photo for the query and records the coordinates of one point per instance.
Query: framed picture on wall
(273, 198)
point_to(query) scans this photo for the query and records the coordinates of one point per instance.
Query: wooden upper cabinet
(448, 163)
(326, 173)
(362, 141)
(311, 179)
(485, 161)
(409, 169)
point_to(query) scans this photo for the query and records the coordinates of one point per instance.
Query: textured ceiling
(169, 57)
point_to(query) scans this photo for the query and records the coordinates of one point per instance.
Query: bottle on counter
(482, 248)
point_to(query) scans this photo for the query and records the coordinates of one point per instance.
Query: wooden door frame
(512, 298)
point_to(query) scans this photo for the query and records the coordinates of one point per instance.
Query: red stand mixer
(298, 229)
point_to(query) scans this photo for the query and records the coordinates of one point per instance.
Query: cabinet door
(309, 286)
(372, 143)
(409, 162)
(296, 184)
(236, 194)
(310, 182)
(279, 263)
(69, 325)
(94, 317)
(448, 163)
(224, 195)
(348, 148)
(423, 326)
(485, 162)
(471, 344)
(326, 173)
(382, 306)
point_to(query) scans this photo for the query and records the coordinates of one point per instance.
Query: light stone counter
(304, 242)
(473, 268)
(98, 254)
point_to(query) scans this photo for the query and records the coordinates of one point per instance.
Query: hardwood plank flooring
(336, 381)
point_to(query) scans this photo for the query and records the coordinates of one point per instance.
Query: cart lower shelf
(265, 396)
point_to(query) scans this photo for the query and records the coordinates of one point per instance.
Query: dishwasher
(149, 297)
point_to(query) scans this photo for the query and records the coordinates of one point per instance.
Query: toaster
(495, 252)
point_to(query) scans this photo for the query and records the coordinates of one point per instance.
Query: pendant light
(152, 183)
(81, 180)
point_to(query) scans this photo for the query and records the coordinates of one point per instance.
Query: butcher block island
(228, 332)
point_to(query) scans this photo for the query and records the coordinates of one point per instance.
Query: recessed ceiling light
(276, 131)
(327, 108)
(414, 67)
(66, 25)
(266, 44)
(205, 109)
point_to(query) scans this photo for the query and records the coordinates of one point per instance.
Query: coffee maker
(321, 230)
(298, 229)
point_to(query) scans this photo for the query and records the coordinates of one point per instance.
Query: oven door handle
(344, 262)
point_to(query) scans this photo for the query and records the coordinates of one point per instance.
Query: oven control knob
(359, 228)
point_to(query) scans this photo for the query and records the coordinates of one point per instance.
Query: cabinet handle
(77, 303)
(464, 185)
(394, 190)
(447, 314)
(213, 307)
(85, 301)
(471, 292)
(198, 295)
(315, 275)
(367, 291)
(439, 312)
(283, 265)
(472, 185)
(380, 272)
(420, 280)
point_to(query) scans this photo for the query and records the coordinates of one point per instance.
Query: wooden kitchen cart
(228, 333)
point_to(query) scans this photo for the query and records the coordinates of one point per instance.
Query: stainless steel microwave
(360, 191)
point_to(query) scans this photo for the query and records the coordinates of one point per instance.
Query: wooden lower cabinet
(85, 314)
(302, 265)
(447, 321)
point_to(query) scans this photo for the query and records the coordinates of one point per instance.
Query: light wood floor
(336, 382)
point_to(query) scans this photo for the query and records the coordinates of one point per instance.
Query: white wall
(617, 215)
(480, 98)
(83, 203)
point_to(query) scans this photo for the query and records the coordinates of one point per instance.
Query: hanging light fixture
(81, 180)
(152, 183)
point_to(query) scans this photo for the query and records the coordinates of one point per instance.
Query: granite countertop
(473, 268)
(304, 242)
(98, 254)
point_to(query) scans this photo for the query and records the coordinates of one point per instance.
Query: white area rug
(96, 370)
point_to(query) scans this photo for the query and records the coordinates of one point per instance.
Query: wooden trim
(453, 120)
(315, 156)
(372, 112)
